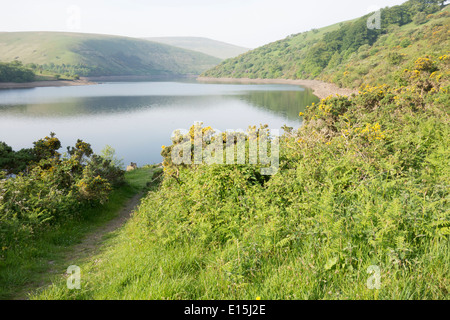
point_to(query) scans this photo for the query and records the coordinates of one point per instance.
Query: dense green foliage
(26, 265)
(349, 53)
(12, 161)
(364, 182)
(67, 70)
(71, 54)
(48, 187)
(15, 72)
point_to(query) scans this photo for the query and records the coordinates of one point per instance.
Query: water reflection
(287, 103)
(137, 118)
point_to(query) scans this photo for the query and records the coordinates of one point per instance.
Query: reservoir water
(137, 118)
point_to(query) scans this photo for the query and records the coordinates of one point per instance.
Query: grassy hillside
(349, 53)
(100, 55)
(207, 46)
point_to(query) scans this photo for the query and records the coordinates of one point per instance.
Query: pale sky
(248, 23)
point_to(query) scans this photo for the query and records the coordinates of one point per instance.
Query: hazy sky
(248, 23)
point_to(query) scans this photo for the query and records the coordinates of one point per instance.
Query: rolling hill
(101, 55)
(349, 53)
(207, 46)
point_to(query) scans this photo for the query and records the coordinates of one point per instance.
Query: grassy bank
(28, 266)
(358, 210)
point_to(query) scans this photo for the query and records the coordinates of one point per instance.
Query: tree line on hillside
(340, 44)
(15, 72)
(306, 56)
(74, 71)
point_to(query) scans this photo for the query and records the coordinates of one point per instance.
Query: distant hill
(101, 55)
(207, 46)
(349, 53)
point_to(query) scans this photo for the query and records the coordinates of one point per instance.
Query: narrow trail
(92, 242)
(89, 246)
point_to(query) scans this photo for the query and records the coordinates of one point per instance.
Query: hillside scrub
(349, 54)
(15, 72)
(47, 187)
(363, 185)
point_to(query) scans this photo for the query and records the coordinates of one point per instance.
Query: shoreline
(84, 81)
(320, 89)
(132, 78)
(49, 83)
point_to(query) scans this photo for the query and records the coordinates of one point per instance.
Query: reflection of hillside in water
(287, 103)
(97, 106)
(284, 103)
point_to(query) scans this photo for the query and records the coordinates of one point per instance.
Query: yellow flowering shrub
(369, 132)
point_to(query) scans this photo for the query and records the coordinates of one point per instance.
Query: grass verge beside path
(30, 267)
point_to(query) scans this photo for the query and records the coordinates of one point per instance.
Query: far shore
(84, 81)
(49, 83)
(320, 89)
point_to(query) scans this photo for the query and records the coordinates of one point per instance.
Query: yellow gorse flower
(370, 132)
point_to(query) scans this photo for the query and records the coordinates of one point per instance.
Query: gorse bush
(205, 146)
(50, 187)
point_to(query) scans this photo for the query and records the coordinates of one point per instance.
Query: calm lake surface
(137, 118)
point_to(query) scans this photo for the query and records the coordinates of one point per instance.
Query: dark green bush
(15, 72)
(48, 187)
